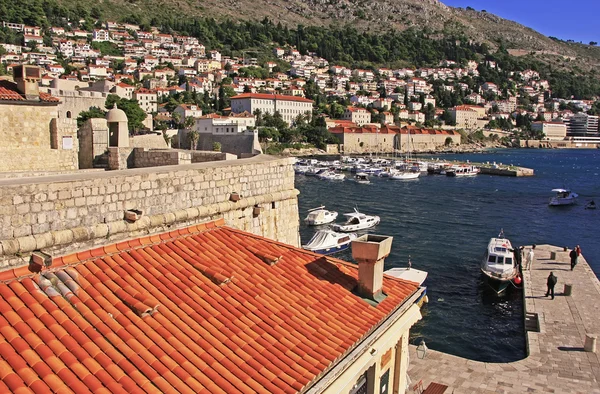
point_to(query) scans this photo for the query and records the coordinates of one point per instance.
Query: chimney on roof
(370, 251)
(27, 78)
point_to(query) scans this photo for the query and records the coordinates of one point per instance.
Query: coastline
(555, 336)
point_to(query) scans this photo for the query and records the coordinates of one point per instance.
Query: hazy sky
(567, 20)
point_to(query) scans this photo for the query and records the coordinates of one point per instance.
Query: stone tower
(118, 131)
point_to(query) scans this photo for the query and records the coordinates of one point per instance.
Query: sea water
(443, 224)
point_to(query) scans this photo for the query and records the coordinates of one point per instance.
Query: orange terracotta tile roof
(266, 96)
(202, 309)
(9, 91)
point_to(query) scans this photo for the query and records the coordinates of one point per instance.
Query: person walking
(529, 259)
(551, 282)
(573, 255)
(578, 250)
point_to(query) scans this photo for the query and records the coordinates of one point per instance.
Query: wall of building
(32, 139)
(385, 143)
(235, 144)
(74, 211)
(75, 101)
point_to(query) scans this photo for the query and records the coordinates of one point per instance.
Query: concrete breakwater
(558, 334)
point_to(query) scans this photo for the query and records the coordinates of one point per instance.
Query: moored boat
(462, 171)
(499, 265)
(329, 242)
(403, 175)
(320, 215)
(357, 221)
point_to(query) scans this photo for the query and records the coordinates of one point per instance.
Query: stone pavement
(557, 362)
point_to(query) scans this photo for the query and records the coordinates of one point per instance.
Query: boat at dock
(320, 215)
(462, 171)
(563, 197)
(329, 242)
(499, 265)
(357, 221)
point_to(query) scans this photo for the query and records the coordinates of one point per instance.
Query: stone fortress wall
(32, 139)
(59, 214)
(72, 102)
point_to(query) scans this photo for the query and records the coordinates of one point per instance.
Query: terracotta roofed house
(202, 309)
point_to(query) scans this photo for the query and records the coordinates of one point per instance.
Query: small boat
(590, 205)
(563, 197)
(361, 177)
(320, 215)
(357, 221)
(462, 171)
(499, 265)
(331, 176)
(403, 175)
(329, 242)
(412, 275)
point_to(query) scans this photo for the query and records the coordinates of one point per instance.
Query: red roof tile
(9, 91)
(198, 310)
(266, 96)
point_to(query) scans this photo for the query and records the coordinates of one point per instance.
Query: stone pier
(555, 333)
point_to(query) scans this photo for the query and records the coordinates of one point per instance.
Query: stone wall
(75, 101)
(59, 214)
(150, 141)
(155, 158)
(236, 144)
(34, 140)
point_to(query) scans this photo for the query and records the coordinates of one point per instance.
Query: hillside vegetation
(353, 32)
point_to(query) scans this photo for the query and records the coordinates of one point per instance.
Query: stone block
(62, 237)
(27, 244)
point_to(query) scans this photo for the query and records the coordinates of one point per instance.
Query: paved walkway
(557, 362)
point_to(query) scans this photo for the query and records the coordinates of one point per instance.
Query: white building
(216, 124)
(289, 107)
(552, 130)
(100, 35)
(147, 99)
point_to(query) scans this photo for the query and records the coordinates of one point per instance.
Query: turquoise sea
(444, 225)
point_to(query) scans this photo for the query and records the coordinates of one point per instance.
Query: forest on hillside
(342, 45)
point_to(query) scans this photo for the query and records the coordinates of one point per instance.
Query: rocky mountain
(371, 15)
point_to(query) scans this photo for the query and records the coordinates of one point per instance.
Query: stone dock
(555, 335)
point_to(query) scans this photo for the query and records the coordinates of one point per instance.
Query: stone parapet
(66, 212)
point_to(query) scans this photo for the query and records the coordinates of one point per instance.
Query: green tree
(93, 112)
(193, 137)
(217, 146)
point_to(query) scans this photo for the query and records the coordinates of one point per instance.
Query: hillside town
(182, 87)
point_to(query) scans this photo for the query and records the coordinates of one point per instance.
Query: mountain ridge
(371, 16)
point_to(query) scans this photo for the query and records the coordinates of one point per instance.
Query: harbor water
(443, 224)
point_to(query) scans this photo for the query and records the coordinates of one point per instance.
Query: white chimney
(370, 252)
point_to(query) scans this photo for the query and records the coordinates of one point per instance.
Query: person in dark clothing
(573, 255)
(551, 282)
(518, 255)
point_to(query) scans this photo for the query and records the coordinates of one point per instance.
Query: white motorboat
(361, 177)
(499, 264)
(320, 215)
(331, 176)
(412, 275)
(357, 221)
(403, 175)
(462, 171)
(563, 197)
(328, 242)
